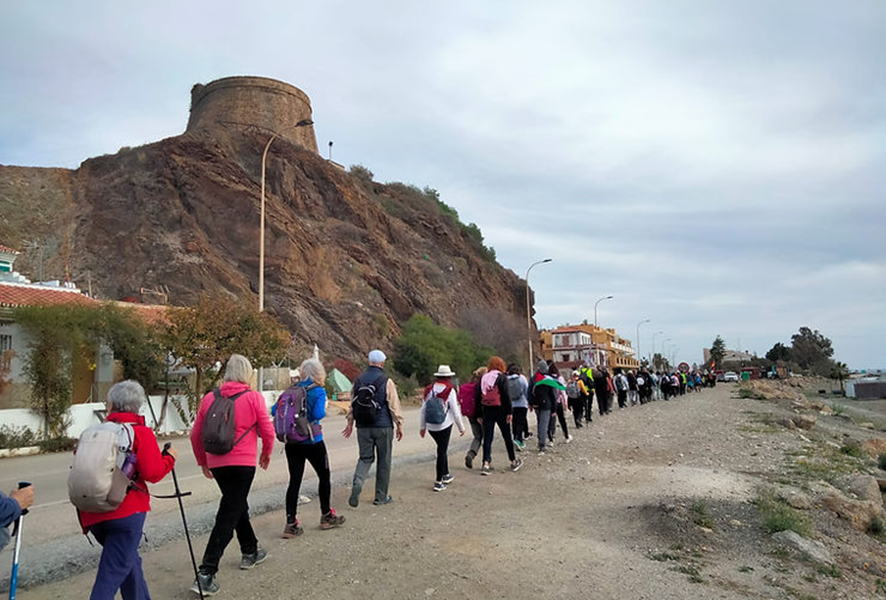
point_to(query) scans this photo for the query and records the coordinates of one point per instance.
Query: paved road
(53, 536)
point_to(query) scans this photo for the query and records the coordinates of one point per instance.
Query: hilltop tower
(267, 103)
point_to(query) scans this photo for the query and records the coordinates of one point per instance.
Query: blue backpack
(291, 423)
(435, 404)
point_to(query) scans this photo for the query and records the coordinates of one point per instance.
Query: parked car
(730, 376)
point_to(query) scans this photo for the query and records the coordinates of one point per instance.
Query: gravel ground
(651, 502)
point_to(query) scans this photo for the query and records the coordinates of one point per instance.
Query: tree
(718, 351)
(424, 345)
(840, 372)
(812, 351)
(779, 352)
(208, 333)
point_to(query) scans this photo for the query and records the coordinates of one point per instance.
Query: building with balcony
(570, 345)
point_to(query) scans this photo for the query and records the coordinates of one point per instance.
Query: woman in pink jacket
(233, 471)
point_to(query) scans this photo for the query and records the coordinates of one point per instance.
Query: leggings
(552, 427)
(296, 455)
(493, 415)
(519, 423)
(442, 439)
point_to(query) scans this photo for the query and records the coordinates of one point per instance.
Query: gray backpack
(219, 425)
(103, 465)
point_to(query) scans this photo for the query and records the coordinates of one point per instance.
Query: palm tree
(840, 372)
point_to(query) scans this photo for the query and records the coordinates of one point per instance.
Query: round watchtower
(269, 104)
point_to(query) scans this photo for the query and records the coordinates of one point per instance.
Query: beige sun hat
(444, 371)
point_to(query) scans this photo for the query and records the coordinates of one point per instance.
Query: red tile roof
(8, 249)
(14, 294)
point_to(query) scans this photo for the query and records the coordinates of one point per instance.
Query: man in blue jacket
(11, 508)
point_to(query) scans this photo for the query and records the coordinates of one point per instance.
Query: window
(5, 345)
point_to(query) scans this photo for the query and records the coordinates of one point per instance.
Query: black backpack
(217, 435)
(365, 405)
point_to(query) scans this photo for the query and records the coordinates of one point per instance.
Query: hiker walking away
(467, 394)
(621, 388)
(644, 385)
(560, 407)
(439, 410)
(542, 398)
(517, 389)
(601, 390)
(375, 408)
(228, 455)
(497, 410)
(119, 531)
(305, 446)
(577, 394)
(586, 375)
(11, 508)
(633, 388)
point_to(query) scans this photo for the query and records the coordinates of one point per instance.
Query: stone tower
(270, 104)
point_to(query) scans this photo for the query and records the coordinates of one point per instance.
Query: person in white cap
(439, 411)
(375, 408)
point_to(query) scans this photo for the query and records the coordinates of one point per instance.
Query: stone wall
(267, 103)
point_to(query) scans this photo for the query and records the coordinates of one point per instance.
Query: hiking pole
(181, 506)
(17, 532)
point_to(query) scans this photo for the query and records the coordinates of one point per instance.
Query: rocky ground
(674, 500)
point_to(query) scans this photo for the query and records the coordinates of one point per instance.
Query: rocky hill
(347, 259)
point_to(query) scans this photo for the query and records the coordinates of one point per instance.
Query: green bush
(59, 444)
(423, 345)
(778, 516)
(16, 437)
(852, 450)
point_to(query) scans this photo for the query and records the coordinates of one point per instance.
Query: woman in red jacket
(234, 471)
(120, 530)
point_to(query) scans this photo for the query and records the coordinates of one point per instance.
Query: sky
(719, 168)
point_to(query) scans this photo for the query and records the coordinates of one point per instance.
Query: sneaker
(550, 443)
(541, 451)
(330, 520)
(515, 466)
(292, 529)
(378, 502)
(247, 561)
(354, 499)
(569, 439)
(447, 479)
(207, 583)
(486, 470)
(519, 446)
(439, 486)
(469, 460)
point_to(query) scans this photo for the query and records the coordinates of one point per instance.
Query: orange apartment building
(570, 345)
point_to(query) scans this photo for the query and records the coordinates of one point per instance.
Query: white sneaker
(569, 439)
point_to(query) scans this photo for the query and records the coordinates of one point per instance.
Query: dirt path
(652, 502)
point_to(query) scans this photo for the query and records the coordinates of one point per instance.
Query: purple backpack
(291, 423)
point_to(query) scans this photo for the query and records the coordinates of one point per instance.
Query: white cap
(377, 357)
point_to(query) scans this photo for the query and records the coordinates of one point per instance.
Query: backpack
(640, 381)
(291, 423)
(365, 405)
(466, 399)
(217, 435)
(103, 469)
(515, 390)
(491, 396)
(572, 391)
(621, 382)
(435, 404)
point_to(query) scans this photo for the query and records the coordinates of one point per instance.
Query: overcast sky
(718, 167)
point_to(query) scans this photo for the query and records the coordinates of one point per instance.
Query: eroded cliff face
(347, 260)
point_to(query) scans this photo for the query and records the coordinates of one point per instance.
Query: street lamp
(652, 356)
(596, 356)
(261, 237)
(638, 338)
(664, 355)
(528, 316)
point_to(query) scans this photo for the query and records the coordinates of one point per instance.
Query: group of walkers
(232, 419)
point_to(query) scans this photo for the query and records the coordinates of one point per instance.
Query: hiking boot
(378, 502)
(447, 479)
(486, 470)
(207, 583)
(292, 529)
(439, 486)
(469, 460)
(354, 499)
(515, 466)
(330, 520)
(247, 561)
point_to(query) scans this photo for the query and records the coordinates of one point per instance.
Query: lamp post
(663, 353)
(596, 327)
(638, 338)
(528, 315)
(652, 356)
(261, 237)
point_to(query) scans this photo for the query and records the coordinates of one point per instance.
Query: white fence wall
(86, 415)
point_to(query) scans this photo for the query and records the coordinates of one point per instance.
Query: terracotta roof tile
(29, 295)
(8, 249)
